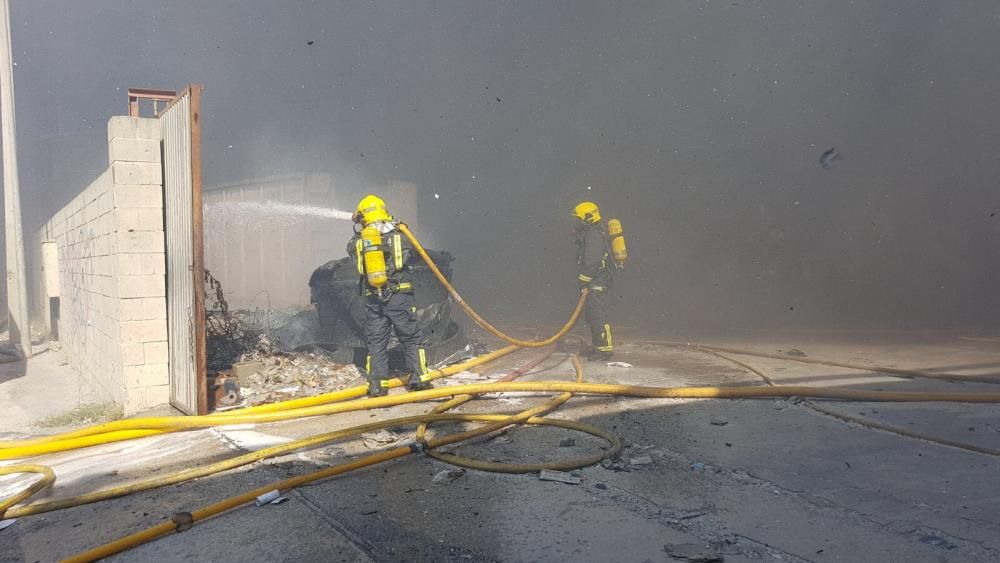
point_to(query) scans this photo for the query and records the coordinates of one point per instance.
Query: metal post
(17, 290)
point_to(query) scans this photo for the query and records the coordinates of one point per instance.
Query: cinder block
(139, 242)
(133, 150)
(152, 218)
(142, 398)
(133, 355)
(107, 244)
(154, 308)
(137, 173)
(127, 219)
(156, 352)
(109, 308)
(129, 265)
(103, 224)
(130, 309)
(138, 332)
(145, 375)
(139, 196)
(106, 202)
(124, 127)
(139, 219)
(105, 285)
(141, 286)
(154, 264)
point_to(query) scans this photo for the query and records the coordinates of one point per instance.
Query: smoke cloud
(703, 126)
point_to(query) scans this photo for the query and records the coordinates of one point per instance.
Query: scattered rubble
(287, 375)
(641, 460)
(469, 376)
(270, 497)
(447, 476)
(718, 422)
(331, 451)
(269, 353)
(378, 439)
(619, 365)
(567, 443)
(559, 476)
(796, 353)
(614, 464)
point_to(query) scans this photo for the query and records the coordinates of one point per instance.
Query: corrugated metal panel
(177, 187)
(266, 260)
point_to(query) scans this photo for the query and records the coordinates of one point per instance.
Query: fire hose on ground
(231, 463)
(332, 403)
(567, 389)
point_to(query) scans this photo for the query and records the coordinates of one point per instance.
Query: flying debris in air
(827, 159)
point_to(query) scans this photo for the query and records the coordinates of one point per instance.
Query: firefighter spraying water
(387, 287)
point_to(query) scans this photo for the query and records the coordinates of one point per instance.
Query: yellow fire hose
(475, 316)
(636, 391)
(507, 468)
(395, 453)
(105, 433)
(194, 473)
(178, 423)
(530, 416)
(566, 388)
(48, 477)
(897, 372)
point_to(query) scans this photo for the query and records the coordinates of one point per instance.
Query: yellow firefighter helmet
(587, 212)
(371, 208)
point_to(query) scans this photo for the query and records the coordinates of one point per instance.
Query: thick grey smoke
(701, 125)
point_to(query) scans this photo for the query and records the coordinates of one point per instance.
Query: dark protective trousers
(400, 313)
(596, 315)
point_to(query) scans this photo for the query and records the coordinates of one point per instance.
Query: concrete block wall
(112, 272)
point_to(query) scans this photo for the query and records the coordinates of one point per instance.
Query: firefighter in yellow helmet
(383, 257)
(594, 271)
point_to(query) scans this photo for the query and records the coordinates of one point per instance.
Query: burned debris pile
(267, 356)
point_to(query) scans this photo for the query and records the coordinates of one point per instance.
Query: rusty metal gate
(181, 145)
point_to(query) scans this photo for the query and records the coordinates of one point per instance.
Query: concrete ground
(41, 387)
(771, 480)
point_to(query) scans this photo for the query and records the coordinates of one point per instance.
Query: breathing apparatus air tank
(371, 250)
(618, 251)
